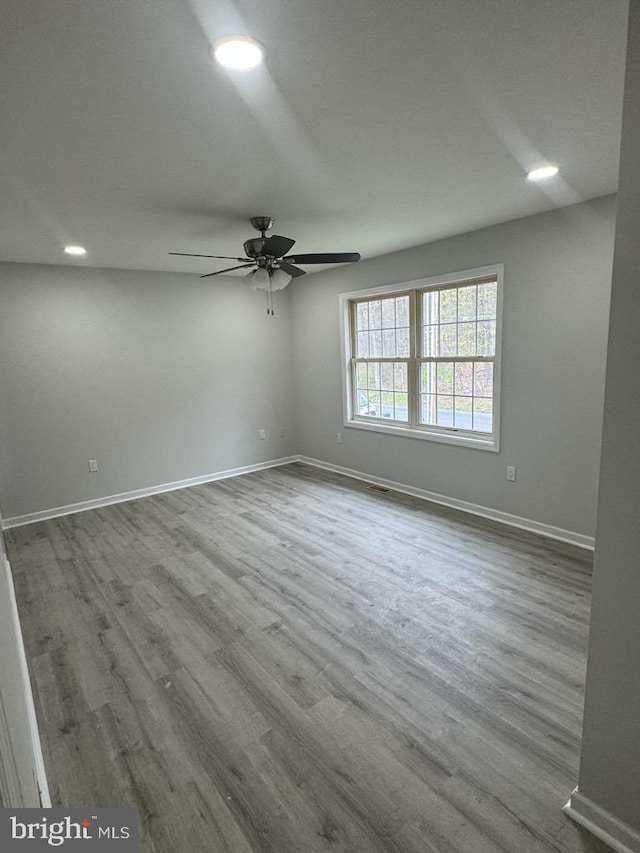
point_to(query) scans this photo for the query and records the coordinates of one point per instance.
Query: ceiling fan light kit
(257, 280)
(273, 268)
(279, 279)
(267, 280)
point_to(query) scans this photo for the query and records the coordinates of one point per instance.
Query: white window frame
(442, 434)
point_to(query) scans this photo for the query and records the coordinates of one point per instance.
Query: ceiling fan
(271, 267)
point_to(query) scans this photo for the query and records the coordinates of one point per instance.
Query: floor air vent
(381, 489)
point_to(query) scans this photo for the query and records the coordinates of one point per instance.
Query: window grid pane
(459, 321)
(456, 394)
(381, 390)
(382, 327)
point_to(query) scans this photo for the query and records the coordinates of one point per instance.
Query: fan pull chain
(270, 298)
(269, 295)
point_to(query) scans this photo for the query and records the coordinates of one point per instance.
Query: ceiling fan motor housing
(253, 248)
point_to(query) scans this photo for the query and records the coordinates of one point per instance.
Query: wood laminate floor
(290, 662)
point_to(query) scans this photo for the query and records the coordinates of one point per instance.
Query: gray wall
(610, 764)
(164, 377)
(160, 377)
(557, 285)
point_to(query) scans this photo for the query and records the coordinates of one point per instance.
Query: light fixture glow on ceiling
(75, 250)
(238, 52)
(543, 173)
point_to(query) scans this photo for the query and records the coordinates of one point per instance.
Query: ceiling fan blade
(219, 272)
(277, 246)
(327, 258)
(223, 257)
(294, 272)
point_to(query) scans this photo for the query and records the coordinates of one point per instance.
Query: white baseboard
(82, 506)
(474, 509)
(616, 833)
(28, 780)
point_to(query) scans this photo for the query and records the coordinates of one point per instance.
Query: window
(381, 334)
(423, 359)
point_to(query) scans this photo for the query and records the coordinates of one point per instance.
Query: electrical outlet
(93, 465)
(282, 432)
(263, 434)
(338, 438)
(511, 473)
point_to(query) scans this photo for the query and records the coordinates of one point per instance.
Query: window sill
(461, 439)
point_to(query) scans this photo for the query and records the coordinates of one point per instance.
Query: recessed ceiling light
(238, 52)
(75, 250)
(543, 173)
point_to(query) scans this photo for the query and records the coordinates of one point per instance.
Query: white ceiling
(373, 125)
